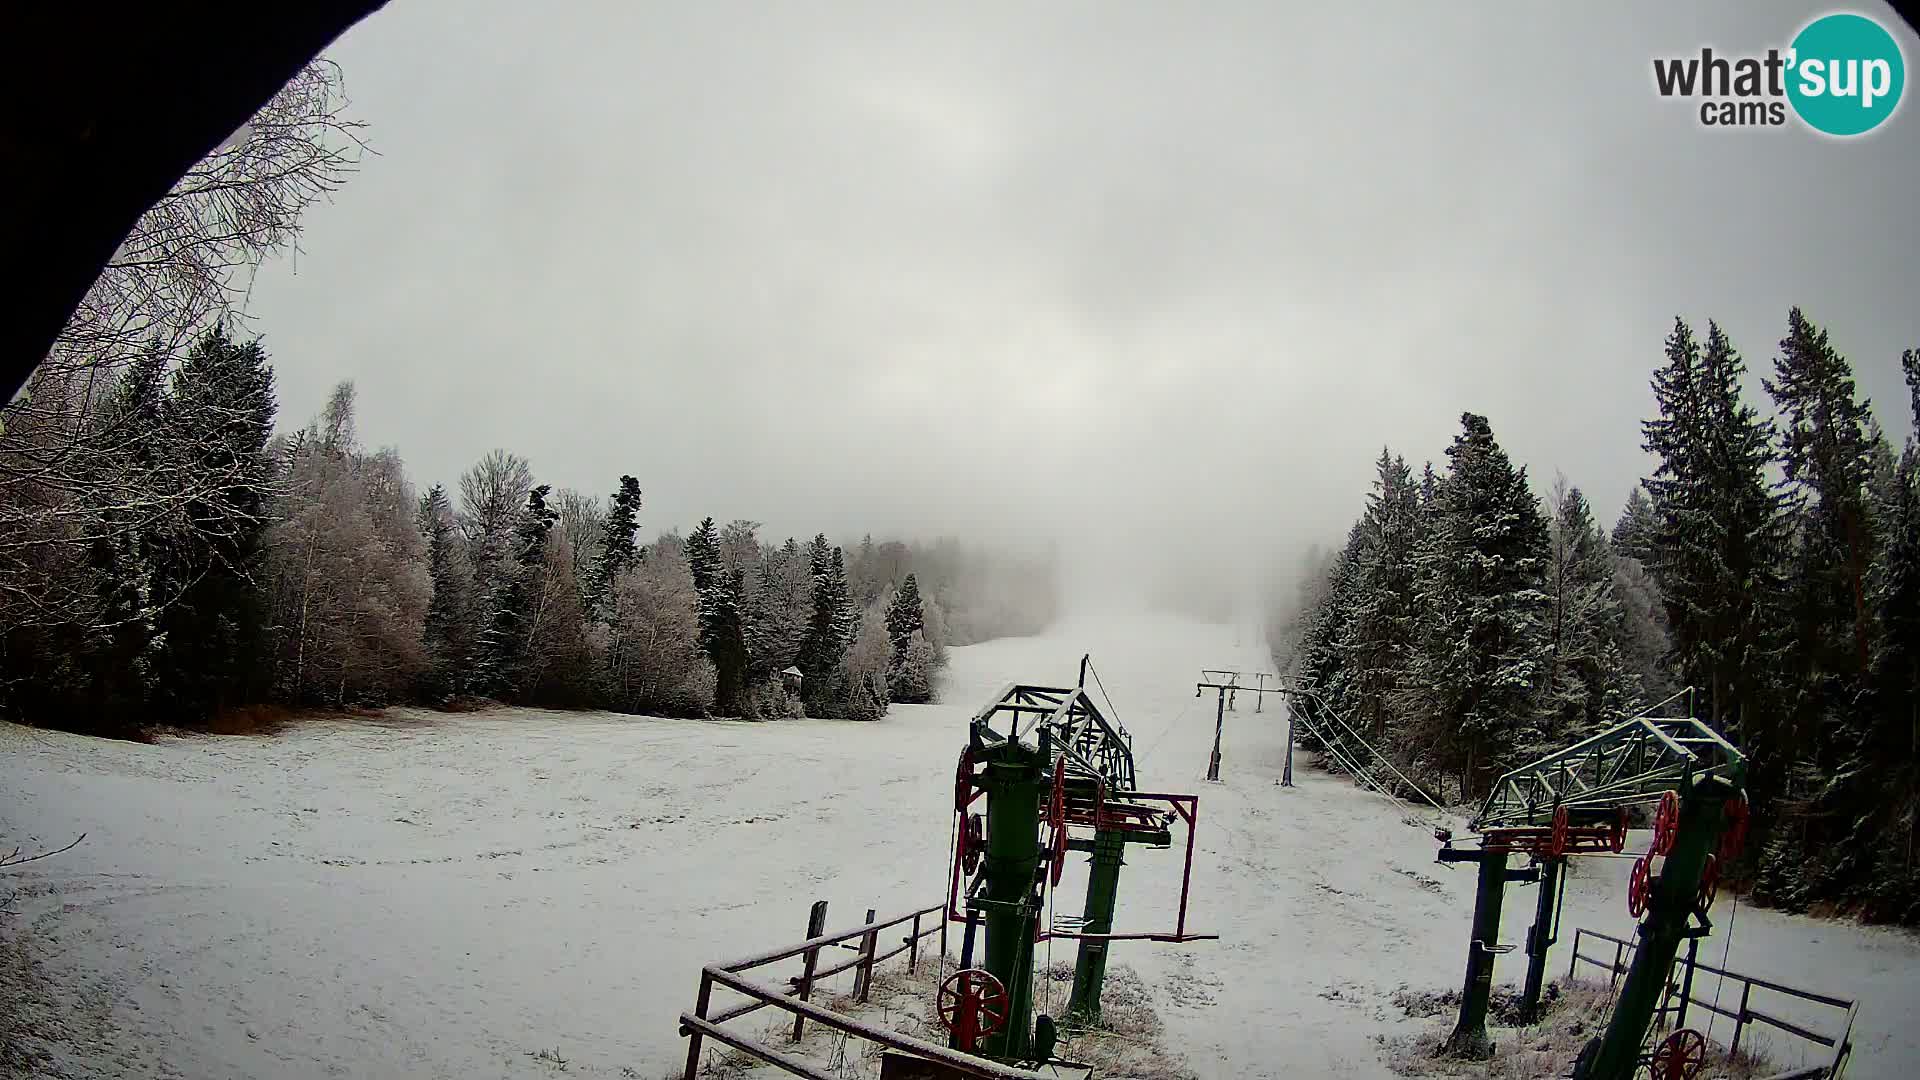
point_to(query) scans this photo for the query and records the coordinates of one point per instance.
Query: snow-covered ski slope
(436, 896)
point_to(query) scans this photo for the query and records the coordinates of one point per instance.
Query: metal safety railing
(1680, 997)
(864, 940)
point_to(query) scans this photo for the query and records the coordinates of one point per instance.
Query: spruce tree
(1322, 660)
(779, 599)
(829, 631)
(447, 637)
(124, 650)
(1588, 685)
(1635, 532)
(1826, 455)
(905, 615)
(1378, 626)
(909, 670)
(718, 591)
(619, 550)
(221, 414)
(1485, 644)
(847, 620)
(1865, 814)
(1718, 545)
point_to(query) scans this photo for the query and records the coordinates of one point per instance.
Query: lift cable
(1377, 755)
(1111, 711)
(1726, 953)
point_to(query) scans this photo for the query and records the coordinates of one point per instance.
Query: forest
(1771, 563)
(195, 564)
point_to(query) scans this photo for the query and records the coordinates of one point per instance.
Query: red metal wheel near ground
(1557, 846)
(1666, 824)
(1709, 884)
(1640, 886)
(1733, 834)
(973, 1005)
(1680, 1057)
(1617, 839)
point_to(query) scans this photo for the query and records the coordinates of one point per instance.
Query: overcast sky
(1092, 271)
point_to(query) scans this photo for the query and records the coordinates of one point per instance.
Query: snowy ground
(448, 896)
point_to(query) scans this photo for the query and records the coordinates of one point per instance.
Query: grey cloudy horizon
(1096, 273)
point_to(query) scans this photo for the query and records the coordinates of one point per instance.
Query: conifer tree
(1718, 545)
(1865, 819)
(1378, 625)
(828, 631)
(1635, 531)
(1826, 456)
(1485, 644)
(1588, 685)
(448, 635)
(779, 600)
(220, 413)
(619, 546)
(718, 589)
(905, 615)
(125, 649)
(909, 670)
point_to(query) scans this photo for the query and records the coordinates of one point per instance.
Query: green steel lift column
(1017, 780)
(1469, 1038)
(1103, 883)
(1702, 806)
(1540, 938)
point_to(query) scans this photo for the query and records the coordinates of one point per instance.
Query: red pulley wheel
(1640, 886)
(963, 781)
(1709, 884)
(1666, 824)
(1680, 1057)
(1558, 845)
(1733, 835)
(972, 1005)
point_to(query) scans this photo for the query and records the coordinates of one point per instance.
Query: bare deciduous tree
(75, 472)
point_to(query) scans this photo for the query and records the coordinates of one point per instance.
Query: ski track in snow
(444, 896)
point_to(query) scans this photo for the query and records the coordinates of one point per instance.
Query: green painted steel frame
(1628, 763)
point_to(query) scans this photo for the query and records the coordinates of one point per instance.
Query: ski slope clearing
(451, 896)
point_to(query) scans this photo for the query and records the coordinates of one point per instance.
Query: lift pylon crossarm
(1077, 729)
(1628, 763)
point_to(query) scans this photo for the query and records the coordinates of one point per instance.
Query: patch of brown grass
(468, 705)
(1575, 1013)
(249, 720)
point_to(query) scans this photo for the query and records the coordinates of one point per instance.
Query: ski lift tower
(1054, 760)
(1574, 802)
(1229, 685)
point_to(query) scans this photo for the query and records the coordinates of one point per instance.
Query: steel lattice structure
(1631, 762)
(1080, 732)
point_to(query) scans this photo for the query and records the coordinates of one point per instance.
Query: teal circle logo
(1845, 74)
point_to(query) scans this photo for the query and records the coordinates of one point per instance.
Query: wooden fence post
(913, 945)
(699, 1010)
(816, 925)
(1740, 1021)
(863, 972)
